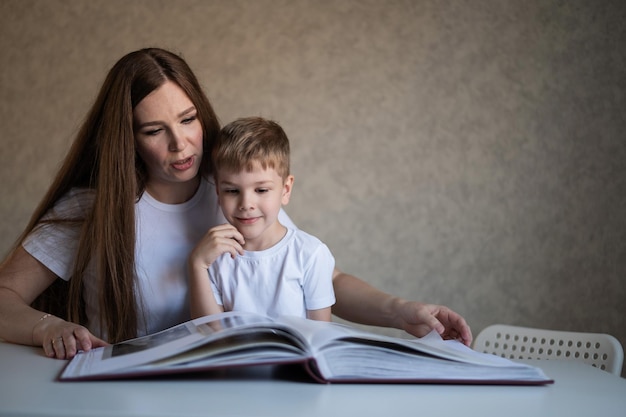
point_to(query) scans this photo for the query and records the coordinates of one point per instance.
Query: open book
(330, 352)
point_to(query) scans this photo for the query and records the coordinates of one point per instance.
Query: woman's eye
(231, 191)
(188, 120)
(152, 132)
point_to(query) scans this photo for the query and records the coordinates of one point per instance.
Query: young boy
(255, 263)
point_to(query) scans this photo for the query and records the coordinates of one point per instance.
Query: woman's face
(168, 136)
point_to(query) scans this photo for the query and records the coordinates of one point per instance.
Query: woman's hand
(359, 302)
(62, 339)
(22, 279)
(419, 319)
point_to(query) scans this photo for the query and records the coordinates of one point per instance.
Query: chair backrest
(598, 349)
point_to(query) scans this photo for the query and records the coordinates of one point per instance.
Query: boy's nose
(246, 202)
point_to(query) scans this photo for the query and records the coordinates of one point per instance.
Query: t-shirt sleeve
(55, 244)
(318, 280)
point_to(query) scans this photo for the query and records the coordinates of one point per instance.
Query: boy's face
(251, 202)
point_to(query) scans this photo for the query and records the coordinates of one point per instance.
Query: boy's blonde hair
(248, 141)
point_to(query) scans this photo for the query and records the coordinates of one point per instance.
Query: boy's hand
(221, 239)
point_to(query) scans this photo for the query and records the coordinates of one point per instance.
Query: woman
(127, 208)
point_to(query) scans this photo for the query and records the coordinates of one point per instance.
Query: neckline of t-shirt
(271, 250)
(176, 207)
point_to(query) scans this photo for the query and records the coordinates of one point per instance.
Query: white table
(28, 388)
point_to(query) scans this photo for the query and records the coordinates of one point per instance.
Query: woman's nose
(177, 142)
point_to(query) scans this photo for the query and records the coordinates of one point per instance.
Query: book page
(210, 335)
(344, 353)
(133, 352)
(260, 344)
(322, 335)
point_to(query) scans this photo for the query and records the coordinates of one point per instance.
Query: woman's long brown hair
(103, 158)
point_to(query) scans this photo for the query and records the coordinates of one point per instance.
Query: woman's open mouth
(183, 164)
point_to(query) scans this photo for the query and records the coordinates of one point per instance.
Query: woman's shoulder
(75, 203)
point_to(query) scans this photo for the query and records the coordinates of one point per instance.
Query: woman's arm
(359, 302)
(22, 279)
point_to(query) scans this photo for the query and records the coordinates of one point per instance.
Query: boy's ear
(287, 187)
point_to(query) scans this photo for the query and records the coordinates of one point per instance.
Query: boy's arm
(322, 314)
(201, 298)
(217, 241)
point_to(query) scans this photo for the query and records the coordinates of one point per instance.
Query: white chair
(598, 349)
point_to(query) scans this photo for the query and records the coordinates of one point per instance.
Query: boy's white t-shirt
(166, 235)
(291, 277)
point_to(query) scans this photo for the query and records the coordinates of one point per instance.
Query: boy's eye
(231, 191)
(262, 190)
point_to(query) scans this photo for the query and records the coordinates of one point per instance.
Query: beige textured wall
(465, 153)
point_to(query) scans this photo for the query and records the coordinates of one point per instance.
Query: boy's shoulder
(303, 240)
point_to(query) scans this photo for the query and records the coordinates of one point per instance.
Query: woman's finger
(59, 347)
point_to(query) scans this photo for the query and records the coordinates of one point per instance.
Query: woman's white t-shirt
(166, 235)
